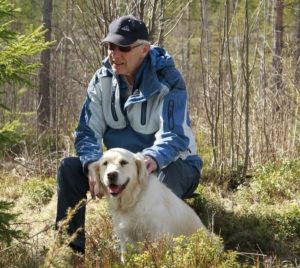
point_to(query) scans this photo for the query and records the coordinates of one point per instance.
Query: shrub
(198, 250)
(38, 192)
(274, 182)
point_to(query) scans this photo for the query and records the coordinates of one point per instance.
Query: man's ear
(142, 173)
(146, 49)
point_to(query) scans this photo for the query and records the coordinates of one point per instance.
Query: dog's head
(121, 172)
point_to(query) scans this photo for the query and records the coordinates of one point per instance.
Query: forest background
(240, 61)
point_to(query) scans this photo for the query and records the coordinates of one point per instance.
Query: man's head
(126, 30)
(127, 45)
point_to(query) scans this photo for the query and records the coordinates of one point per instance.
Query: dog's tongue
(115, 189)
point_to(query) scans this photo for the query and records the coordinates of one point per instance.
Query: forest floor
(257, 219)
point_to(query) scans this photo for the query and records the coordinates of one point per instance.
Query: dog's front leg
(122, 258)
(128, 247)
(124, 246)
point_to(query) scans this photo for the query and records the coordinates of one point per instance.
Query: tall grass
(258, 221)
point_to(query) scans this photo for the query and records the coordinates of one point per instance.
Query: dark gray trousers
(73, 186)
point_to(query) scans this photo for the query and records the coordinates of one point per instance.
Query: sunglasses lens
(111, 46)
(125, 49)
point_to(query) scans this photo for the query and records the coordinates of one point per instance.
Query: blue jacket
(154, 120)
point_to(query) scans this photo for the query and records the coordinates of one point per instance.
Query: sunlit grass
(258, 222)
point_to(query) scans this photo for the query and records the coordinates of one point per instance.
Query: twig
(29, 238)
(252, 254)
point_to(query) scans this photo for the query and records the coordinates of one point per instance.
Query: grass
(258, 221)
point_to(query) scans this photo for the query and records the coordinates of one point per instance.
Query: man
(137, 101)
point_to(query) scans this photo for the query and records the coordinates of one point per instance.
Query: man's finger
(92, 187)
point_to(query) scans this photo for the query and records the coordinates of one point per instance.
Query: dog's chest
(135, 226)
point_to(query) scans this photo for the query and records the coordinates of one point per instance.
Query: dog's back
(157, 213)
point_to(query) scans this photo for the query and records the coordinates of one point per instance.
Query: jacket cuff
(85, 162)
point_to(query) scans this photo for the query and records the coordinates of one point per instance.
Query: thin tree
(204, 54)
(278, 37)
(232, 83)
(297, 51)
(44, 73)
(246, 72)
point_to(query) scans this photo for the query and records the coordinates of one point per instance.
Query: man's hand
(150, 164)
(93, 173)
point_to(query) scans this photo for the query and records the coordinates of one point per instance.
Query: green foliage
(275, 182)
(17, 48)
(255, 233)
(13, 64)
(263, 229)
(262, 215)
(10, 134)
(38, 191)
(198, 250)
(287, 223)
(7, 232)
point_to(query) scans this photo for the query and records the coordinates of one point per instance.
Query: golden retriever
(142, 207)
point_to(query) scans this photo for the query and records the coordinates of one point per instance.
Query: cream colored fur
(145, 209)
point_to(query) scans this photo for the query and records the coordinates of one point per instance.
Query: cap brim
(118, 40)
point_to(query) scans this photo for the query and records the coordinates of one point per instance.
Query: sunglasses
(111, 46)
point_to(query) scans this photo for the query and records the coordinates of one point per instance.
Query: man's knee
(68, 167)
(180, 177)
(70, 174)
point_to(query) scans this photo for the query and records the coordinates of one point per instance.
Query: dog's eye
(104, 163)
(123, 162)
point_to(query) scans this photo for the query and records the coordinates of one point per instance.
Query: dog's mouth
(115, 189)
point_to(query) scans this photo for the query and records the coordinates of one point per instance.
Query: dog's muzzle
(115, 189)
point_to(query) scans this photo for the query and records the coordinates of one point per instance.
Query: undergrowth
(38, 192)
(258, 223)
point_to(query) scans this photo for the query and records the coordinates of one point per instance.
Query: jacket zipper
(112, 105)
(144, 113)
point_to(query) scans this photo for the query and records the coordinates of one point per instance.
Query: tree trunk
(160, 39)
(43, 109)
(297, 52)
(247, 91)
(278, 33)
(232, 85)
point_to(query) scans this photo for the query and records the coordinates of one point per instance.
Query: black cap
(126, 30)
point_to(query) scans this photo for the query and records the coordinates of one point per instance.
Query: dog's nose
(112, 176)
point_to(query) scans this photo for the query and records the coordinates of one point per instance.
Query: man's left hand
(150, 164)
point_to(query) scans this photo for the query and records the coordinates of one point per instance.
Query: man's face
(127, 60)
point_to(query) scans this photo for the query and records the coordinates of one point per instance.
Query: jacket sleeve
(174, 137)
(91, 125)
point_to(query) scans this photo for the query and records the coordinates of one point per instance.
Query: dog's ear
(142, 173)
(94, 170)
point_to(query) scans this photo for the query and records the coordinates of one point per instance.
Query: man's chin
(117, 68)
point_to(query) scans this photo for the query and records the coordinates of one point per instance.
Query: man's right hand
(93, 173)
